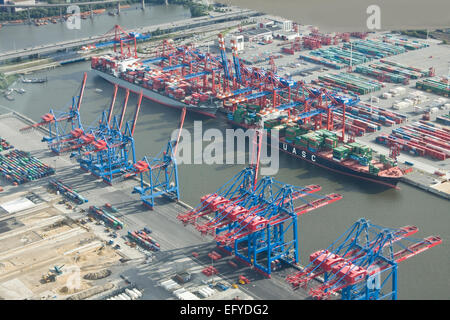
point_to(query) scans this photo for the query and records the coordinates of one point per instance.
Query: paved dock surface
(177, 241)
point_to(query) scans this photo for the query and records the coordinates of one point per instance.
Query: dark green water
(422, 277)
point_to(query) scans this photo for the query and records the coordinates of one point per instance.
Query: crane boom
(83, 85)
(183, 115)
(124, 108)
(111, 107)
(136, 114)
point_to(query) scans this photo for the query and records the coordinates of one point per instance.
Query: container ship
(250, 96)
(157, 85)
(322, 147)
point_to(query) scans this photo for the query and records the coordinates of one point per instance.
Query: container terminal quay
(91, 210)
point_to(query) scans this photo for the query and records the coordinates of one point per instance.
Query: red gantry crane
(362, 263)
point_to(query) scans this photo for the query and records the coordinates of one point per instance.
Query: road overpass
(167, 27)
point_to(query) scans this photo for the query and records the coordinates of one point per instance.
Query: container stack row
(444, 119)
(105, 216)
(142, 238)
(20, 167)
(435, 85)
(354, 151)
(374, 49)
(354, 53)
(381, 75)
(335, 57)
(67, 191)
(5, 145)
(407, 44)
(421, 139)
(350, 82)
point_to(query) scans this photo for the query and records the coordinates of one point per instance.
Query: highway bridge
(168, 27)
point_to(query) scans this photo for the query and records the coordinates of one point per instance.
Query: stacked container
(20, 167)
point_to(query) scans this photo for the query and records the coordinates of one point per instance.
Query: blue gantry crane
(224, 56)
(112, 154)
(63, 126)
(362, 263)
(256, 221)
(237, 65)
(159, 175)
(263, 228)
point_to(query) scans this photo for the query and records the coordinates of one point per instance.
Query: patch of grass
(24, 64)
(6, 81)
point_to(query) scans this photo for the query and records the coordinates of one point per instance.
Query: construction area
(45, 245)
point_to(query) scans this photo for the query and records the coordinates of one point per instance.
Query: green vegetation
(422, 34)
(26, 63)
(158, 32)
(227, 30)
(6, 81)
(197, 9)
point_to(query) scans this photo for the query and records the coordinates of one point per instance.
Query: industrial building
(255, 35)
(285, 35)
(238, 39)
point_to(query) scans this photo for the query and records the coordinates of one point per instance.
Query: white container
(203, 293)
(400, 90)
(413, 94)
(400, 105)
(386, 95)
(127, 297)
(210, 291)
(434, 109)
(178, 293)
(137, 292)
(165, 282)
(408, 102)
(132, 295)
(393, 90)
(172, 286)
(417, 109)
(169, 284)
(188, 296)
